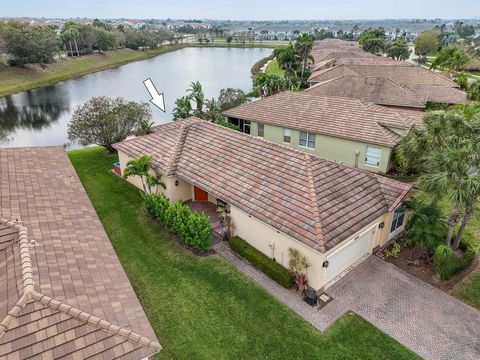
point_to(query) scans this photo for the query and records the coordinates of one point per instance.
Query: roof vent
(33, 242)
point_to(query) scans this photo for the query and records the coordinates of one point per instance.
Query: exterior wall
(183, 191)
(275, 244)
(330, 148)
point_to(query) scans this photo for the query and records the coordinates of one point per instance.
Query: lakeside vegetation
(15, 79)
(203, 307)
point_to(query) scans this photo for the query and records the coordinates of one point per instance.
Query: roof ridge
(399, 198)
(314, 200)
(30, 294)
(95, 321)
(177, 149)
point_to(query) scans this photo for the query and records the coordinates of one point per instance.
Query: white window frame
(374, 156)
(395, 228)
(258, 130)
(308, 139)
(287, 133)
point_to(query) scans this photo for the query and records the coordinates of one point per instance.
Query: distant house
(341, 129)
(64, 293)
(278, 198)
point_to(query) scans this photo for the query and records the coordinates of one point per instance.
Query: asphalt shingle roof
(315, 201)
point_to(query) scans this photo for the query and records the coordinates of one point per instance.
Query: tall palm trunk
(452, 221)
(76, 47)
(71, 49)
(465, 220)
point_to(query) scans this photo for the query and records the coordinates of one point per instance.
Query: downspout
(357, 156)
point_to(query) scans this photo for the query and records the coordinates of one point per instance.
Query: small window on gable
(287, 136)
(307, 140)
(373, 155)
(261, 130)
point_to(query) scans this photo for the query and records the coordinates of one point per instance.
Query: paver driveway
(423, 318)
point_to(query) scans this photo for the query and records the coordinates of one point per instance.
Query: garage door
(340, 260)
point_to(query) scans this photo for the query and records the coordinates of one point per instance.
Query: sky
(244, 9)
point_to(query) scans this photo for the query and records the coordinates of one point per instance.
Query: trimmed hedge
(447, 265)
(269, 267)
(193, 228)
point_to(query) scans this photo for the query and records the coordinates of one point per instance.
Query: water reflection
(33, 109)
(40, 116)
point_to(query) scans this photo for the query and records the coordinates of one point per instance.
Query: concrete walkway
(421, 317)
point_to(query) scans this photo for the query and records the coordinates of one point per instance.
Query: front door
(200, 195)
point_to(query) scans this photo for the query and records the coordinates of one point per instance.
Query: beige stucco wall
(275, 244)
(330, 148)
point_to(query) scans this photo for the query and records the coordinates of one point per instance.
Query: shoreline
(15, 80)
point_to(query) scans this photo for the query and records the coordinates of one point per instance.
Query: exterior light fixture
(177, 182)
(325, 264)
(381, 225)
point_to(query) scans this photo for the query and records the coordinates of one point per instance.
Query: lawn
(15, 79)
(203, 307)
(273, 68)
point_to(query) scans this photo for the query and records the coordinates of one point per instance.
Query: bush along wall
(446, 265)
(269, 267)
(192, 228)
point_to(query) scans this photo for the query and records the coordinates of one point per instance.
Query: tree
(27, 44)
(463, 30)
(398, 50)
(267, 84)
(229, 39)
(104, 121)
(183, 108)
(427, 42)
(451, 58)
(425, 227)
(298, 265)
(230, 98)
(303, 47)
(474, 91)
(287, 58)
(212, 112)
(461, 78)
(196, 94)
(373, 40)
(142, 167)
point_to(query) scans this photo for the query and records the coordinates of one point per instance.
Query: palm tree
(212, 110)
(450, 58)
(287, 58)
(197, 95)
(304, 46)
(267, 84)
(142, 167)
(183, 108)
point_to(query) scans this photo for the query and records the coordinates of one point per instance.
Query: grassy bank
(203, 307)
(14, 79)
(273, 68)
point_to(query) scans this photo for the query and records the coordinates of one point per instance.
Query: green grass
(15, 79)
(273, 68)
(203, 307)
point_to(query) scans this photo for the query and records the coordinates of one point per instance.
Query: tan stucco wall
(329, 147)
(262, 236)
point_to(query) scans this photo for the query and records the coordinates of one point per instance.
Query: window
(397, 222)
(261, 130)
(307, 140)
(372, 156)
(287, 136)
(246, 127)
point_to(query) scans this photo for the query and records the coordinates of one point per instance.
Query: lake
(40, 116)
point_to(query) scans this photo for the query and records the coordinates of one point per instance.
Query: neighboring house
(339, 65)
(64, 293)
(378, 90)
(278, 197)
(345, 130)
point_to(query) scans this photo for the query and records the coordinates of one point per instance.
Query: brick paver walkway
(423, 318)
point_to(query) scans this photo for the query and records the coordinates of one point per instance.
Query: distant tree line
(25, 44)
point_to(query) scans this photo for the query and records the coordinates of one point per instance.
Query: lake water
(40, 116)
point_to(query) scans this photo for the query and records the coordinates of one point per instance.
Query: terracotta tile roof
(442, 94)
(66, 292)
(334, 116)
(315, 201)
(381, 91)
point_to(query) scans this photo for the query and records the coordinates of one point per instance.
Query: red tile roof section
(315, 201)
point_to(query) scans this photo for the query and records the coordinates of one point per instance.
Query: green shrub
(269, 267)
(447, 265)
(394, 251)
(192, 228)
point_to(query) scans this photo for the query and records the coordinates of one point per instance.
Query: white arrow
(157, 99)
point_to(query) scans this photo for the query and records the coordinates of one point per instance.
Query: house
(278, 197)
(64, 291)
(345, 130)
(435, 86)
